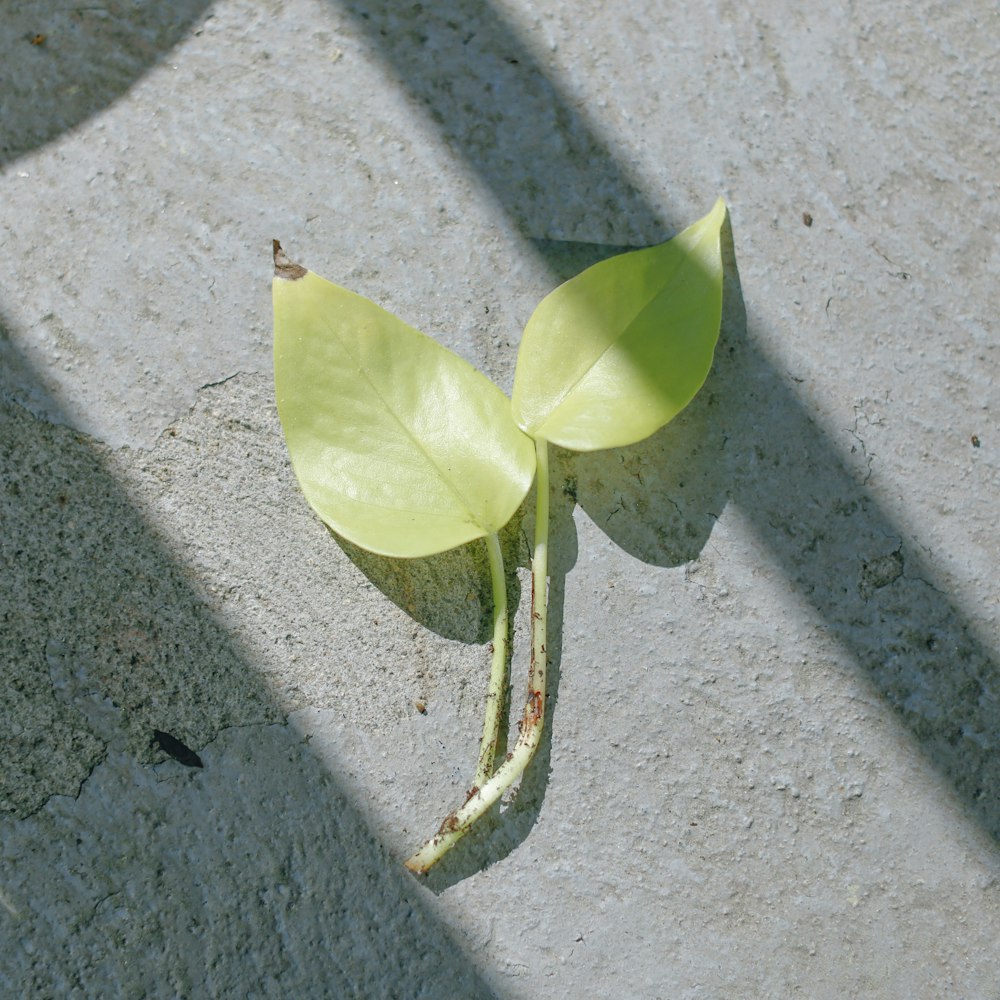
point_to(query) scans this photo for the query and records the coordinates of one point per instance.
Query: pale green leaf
(398, 444)
(613, 354)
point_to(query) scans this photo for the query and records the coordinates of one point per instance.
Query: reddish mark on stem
(450, 825)
(535, 707)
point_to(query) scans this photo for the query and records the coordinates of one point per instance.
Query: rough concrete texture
(771, 767)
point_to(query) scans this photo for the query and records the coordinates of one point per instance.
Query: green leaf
(616, 352)
(398, 444)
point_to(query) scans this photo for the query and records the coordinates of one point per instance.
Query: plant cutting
(405, 449)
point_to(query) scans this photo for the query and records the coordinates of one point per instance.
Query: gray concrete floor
(772, 765)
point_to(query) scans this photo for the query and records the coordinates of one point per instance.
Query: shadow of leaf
(448, 593)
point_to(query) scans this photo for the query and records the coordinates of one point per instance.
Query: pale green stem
(479, 800)
(498, 670)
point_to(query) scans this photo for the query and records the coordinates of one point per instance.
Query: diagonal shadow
(528, 143)
(61, 64)
(259, 865)
(64, 62)
(84, 59)
(537, 152)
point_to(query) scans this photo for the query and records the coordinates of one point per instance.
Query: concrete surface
(771, 769)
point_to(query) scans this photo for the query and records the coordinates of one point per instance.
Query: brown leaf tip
(283, 267)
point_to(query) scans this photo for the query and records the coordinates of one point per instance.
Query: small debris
(173, 747)
(880, 572)
(807, 219)
(421, 707)
(975, 440)
(38, 39)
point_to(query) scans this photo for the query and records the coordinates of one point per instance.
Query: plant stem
(498, 670)
(479, 800)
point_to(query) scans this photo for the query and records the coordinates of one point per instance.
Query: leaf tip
(283, 267)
